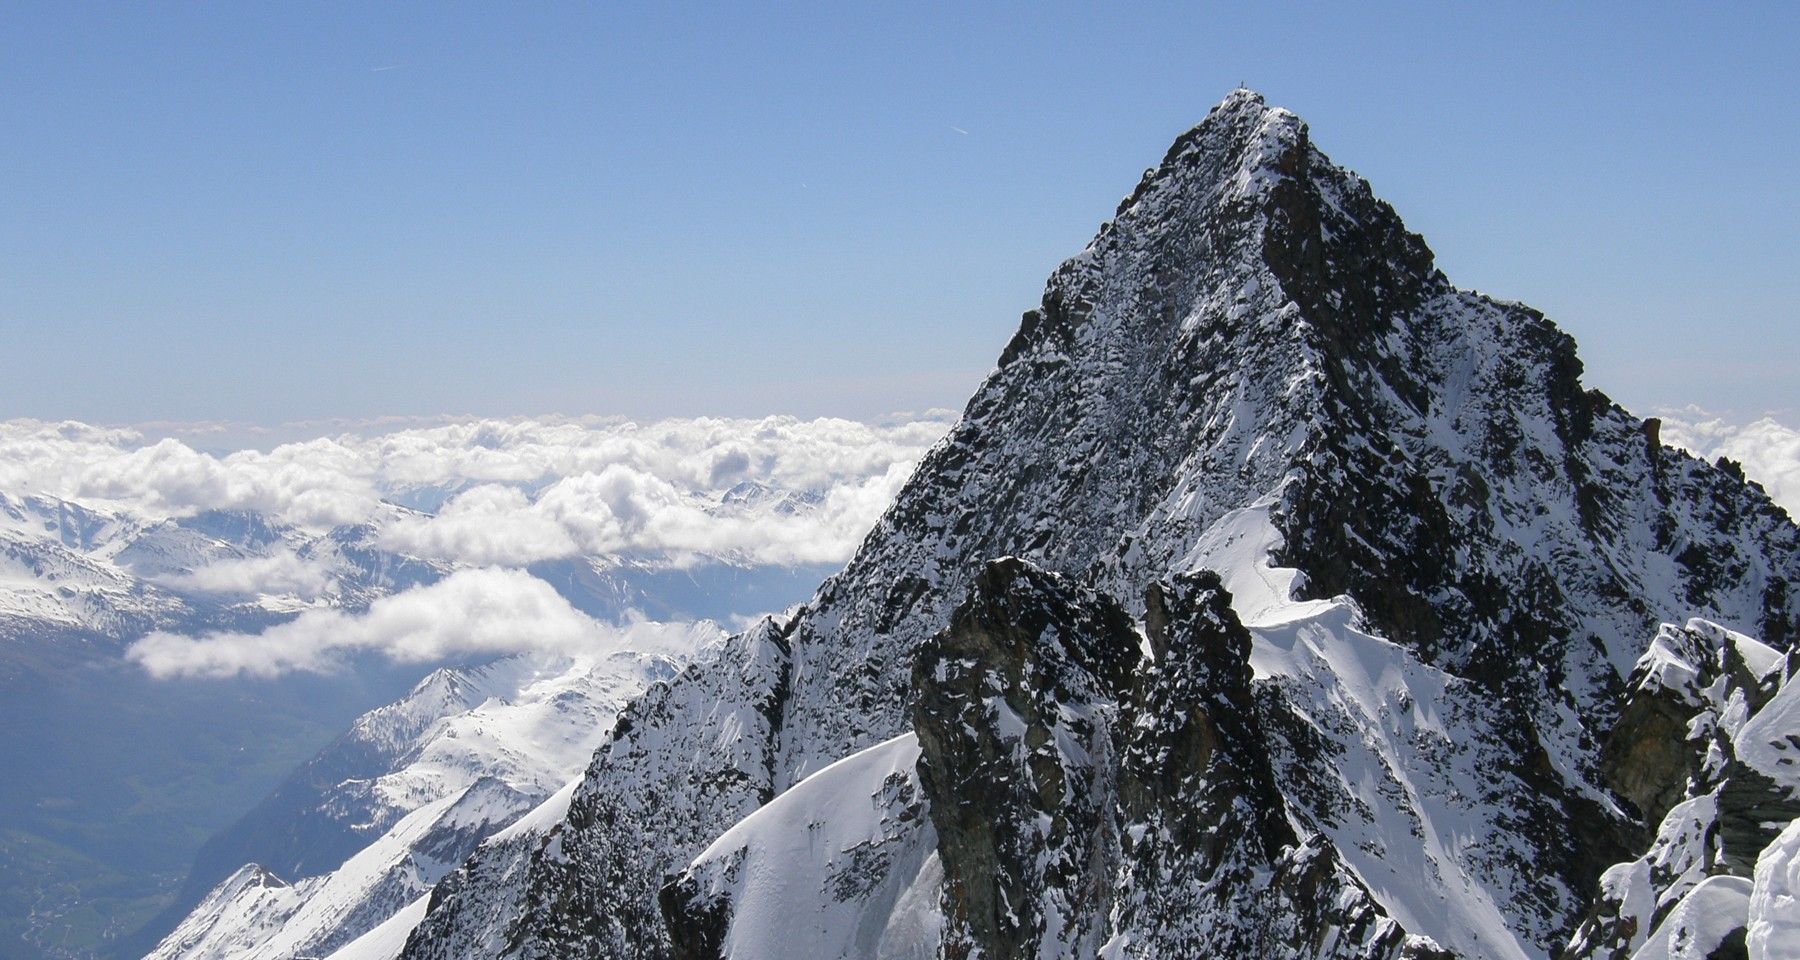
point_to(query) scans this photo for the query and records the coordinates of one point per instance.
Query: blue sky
(272, 212)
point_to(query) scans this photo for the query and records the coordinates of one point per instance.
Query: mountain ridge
(1254, 351)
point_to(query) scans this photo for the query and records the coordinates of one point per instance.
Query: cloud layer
(481, 611)
(623, 511)
(510, 492)
(486, 496)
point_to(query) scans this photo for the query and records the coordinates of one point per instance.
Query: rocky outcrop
(1089, 799)
(1728, 704)
(1017, 708)
(1215, 867)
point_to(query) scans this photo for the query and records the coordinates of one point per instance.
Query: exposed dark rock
(1016, 704)
(697, 925)
(1213, 866)
(1752, 810)
(1647, 758)
(1196, 763)
(1057, 837)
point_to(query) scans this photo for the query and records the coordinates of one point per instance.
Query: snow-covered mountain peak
(1260, 144)
(1450, 554)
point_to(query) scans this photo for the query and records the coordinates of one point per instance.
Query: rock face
(1086, 801)
(1017, 708)
(1215, 866)
(1441, 552)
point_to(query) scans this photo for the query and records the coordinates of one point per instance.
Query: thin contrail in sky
(960, 130)
(396, 66)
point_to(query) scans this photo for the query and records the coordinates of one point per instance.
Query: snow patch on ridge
(1774, 910)
(1769, 742)
(845, 861)
(386, 941)
(1699, 924)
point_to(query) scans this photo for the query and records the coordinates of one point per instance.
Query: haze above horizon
(265, 214)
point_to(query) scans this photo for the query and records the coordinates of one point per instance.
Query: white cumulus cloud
(488, 496)
(319, 483)
(277, 574)
(479, 611)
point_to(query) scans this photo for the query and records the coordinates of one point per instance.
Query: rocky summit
(1273, 597)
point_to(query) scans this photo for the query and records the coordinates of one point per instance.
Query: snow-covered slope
(1448, 550)
(466, 754)
(855, 829)
(256, 914)
(387, 940)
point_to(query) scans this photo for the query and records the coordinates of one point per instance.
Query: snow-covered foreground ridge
(1324, 586)
(1410, 845)
(1709, 745)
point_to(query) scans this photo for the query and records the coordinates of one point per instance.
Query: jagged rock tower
(1374, 730)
